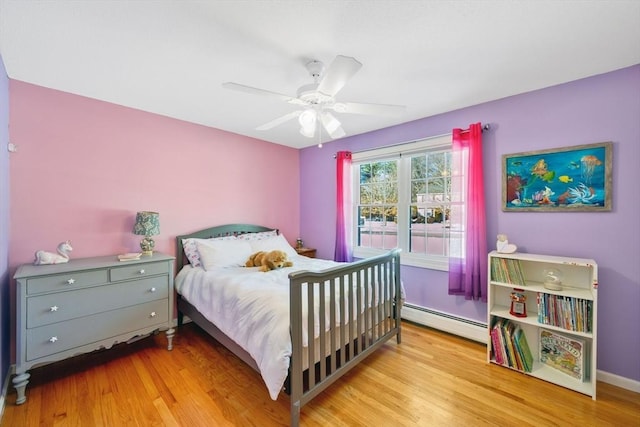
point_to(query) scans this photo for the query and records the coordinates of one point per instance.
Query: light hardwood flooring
(431, 379)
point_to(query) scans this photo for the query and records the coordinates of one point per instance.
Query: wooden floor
(431, 379)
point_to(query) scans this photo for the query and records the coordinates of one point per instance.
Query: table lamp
(147, 225)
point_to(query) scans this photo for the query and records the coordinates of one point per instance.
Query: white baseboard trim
(618, 381)
(477, 331)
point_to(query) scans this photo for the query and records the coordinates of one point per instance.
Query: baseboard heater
(460, 326)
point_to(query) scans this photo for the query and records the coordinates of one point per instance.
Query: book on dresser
(555, 338)
(130, 256)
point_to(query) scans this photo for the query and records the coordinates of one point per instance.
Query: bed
(265, 318)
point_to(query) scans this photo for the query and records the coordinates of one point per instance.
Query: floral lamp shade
(147, 224)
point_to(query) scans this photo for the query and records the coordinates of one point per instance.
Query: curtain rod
(485, 127)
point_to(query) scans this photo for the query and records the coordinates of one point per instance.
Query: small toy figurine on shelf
(503, 246)
(518, 306)
(43, 257)
(299, 244)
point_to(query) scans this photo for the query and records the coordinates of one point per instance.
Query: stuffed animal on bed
(269, 260)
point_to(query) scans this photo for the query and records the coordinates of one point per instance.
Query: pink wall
(84, 168)
(5, 279)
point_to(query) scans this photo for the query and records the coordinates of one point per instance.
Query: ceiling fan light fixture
(308, 132)
(307, 120)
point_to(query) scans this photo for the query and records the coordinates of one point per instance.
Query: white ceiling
(434, 56)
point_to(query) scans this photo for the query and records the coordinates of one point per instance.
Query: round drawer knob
(53, 339)
(54, 308)
(142, 271)
(152, 289)
(153, 314)
(71, 281)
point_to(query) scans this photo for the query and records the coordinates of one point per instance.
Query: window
(402, 198)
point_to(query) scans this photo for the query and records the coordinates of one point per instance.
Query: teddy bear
(269, 260)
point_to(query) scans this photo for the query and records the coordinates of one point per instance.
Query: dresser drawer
(52, 339)
(61, 306)
(66, 281)
(138, 271)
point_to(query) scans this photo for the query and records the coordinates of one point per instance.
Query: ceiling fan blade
(255, 91)
(370, 109)
(332, 125)
(339, 72)
(279, 120)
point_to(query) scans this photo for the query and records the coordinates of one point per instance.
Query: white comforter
(251, 308)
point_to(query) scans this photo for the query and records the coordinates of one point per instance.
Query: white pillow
(261, 235)
(223, 253)
(272, 244)
(191, 250)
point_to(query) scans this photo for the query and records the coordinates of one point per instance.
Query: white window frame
(390, 153)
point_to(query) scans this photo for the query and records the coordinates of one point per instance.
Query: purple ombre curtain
(343, 205)
(468, 257)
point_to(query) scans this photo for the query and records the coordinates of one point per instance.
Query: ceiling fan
(317, 100)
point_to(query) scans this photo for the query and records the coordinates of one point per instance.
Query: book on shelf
(496, 342)
(510, 346)
(521, 343)
(504, 341)
(515, 360)
(563, 353)
(573, 314)
(507, 270)
(496, 270)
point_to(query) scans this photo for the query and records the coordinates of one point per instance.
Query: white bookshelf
(579, 287)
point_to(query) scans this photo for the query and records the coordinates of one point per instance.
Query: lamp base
(147, 245)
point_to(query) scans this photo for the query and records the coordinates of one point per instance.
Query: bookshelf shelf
(564, 320)
(567, 290)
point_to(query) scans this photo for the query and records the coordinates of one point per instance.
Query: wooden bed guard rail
(369, 293)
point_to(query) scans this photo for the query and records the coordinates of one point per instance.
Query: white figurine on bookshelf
(503, 245)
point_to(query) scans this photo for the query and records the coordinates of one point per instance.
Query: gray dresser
(86, 304)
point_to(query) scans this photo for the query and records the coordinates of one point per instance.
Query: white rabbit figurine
(43, 257)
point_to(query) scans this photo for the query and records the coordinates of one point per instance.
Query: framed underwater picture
(569, 179)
